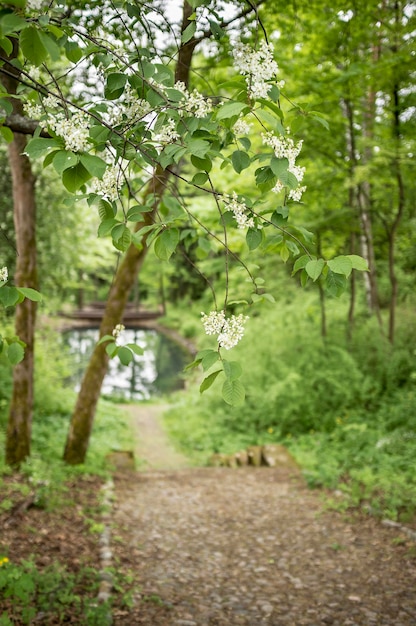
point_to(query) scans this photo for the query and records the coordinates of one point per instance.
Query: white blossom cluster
(132, 110)
(74, 130)
(117, 331)
(194, 102)
(110, 183)
(33, 110)
(167, 134)
(285, 147)
(35, 5)
(241, 127)
(239, 209)
(4, 274)
(257, 65)
(229, 330)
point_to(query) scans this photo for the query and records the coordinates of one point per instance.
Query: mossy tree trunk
(83, 416)
(19, 427)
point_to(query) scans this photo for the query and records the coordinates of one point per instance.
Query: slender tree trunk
(19, 427)
(360, 199)
(400, 192)
(353, 294)
(84, 412)
(392, 230)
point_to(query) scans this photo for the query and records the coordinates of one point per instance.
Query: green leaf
(279, 167)
(39, 147)
(253, 238)
(335, 284)
(93, 164)
(216, 29)
(200, 178)
(6, 45)
(135, 213)
(209, 359)
(232, 109)
(233, 392)
(30, 293)
(314, 268)
(125, 355)
(121, 237)
(240, 160)
(74, 177)
(9, 296)
(106, 210)
(15, 353)
(245, 142)
(7, 134)
(64, 159)
(51, 46)
(115, 85)
(106, 226)
(341, 265)
(73, 51)
(32, 46)
(11, 23)
(232, 369)
(112, 349)
(358, 263)
(198, 147)
(189, 32)
(105, 338)
(135, 348)
(208, 381)
(204, 164)
(165, 244)
(284, 252)
(300, 263)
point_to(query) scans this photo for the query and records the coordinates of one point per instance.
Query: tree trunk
(19, 427)
(84, 412)
(353, 294)
(21, 408)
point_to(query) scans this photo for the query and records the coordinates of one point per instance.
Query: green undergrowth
(347, 411)
(34, 594)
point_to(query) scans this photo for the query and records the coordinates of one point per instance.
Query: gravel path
(216, 546)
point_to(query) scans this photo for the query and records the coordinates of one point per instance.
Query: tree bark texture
(83, 416)
(21, 407)
(19, 427)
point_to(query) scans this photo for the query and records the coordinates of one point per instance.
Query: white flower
(4, 274)
(117, 330)
(257, 65)
(33, 110)
(110, 183)
(131, 110)
(167, 134)
(286, 148)
(73, 130)
(296, 194)
(194, 102)
(35, 5)
(241, 127)
(239, 210)
(229, 331)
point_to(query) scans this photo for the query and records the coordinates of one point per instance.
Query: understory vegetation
(345, 409)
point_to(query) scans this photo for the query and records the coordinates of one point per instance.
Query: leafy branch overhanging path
(216, 546)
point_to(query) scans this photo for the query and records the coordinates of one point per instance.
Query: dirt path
(153, 449)
(216, 546)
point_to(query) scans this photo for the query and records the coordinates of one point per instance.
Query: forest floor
(220, 546)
